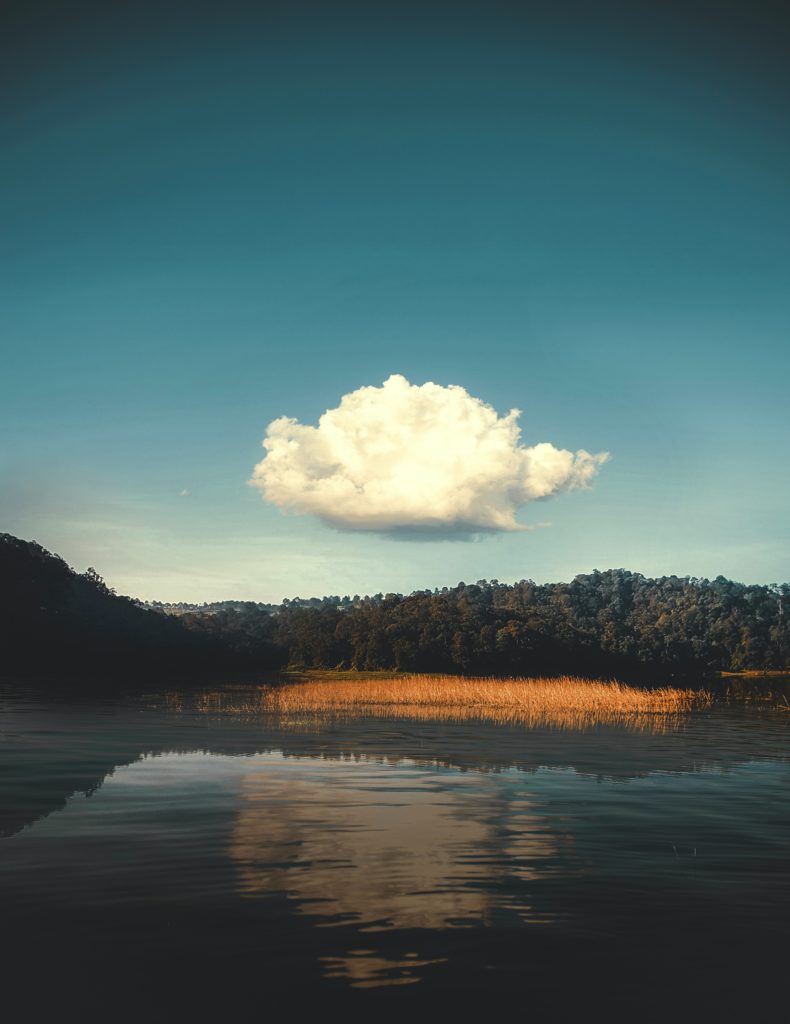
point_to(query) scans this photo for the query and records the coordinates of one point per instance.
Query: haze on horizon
(225, 224)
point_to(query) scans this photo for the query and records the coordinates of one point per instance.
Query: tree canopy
(601, 623)
(604, 623)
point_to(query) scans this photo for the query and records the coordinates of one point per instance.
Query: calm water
(160, 862)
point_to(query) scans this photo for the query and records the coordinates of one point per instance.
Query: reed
(563, 693)
(468, 697)
(565, 702)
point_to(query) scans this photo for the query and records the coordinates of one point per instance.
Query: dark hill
(54, 620)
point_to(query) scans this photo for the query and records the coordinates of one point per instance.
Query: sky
(218, 222)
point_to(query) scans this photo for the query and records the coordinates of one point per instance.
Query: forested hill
(605, 623)
(54, 621)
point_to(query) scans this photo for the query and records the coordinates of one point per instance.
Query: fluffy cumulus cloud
(404, 457)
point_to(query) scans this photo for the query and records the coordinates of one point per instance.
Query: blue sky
(216, 216)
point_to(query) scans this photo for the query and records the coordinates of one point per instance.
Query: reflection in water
(653, 723)
(389, 848)
(654, 712)
(367, 968)
(322, 854)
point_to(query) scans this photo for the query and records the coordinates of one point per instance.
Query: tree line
(603, 623)
(600, 623)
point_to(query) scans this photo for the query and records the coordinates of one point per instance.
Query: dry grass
(757, 673)
(566, 693)
(564, 702)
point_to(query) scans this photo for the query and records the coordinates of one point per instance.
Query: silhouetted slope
(53, 619)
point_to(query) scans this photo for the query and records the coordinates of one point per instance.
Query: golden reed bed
(565, 701)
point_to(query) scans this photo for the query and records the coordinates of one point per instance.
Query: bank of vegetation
(603, 624)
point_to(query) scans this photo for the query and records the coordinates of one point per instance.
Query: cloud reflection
(387, 847)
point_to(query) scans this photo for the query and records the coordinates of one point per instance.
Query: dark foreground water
(160, 863)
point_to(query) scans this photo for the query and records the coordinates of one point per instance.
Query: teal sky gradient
(219, 215)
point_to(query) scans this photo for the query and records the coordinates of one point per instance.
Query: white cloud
(406, 457)
(184, 492)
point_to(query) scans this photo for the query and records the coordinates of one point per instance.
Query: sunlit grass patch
(565, 701)
(566, 693)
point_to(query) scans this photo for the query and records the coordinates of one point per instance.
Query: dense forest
(604, 623)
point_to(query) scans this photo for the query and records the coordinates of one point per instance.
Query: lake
(163, 861)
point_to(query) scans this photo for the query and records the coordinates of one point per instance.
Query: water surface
(161, 861)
